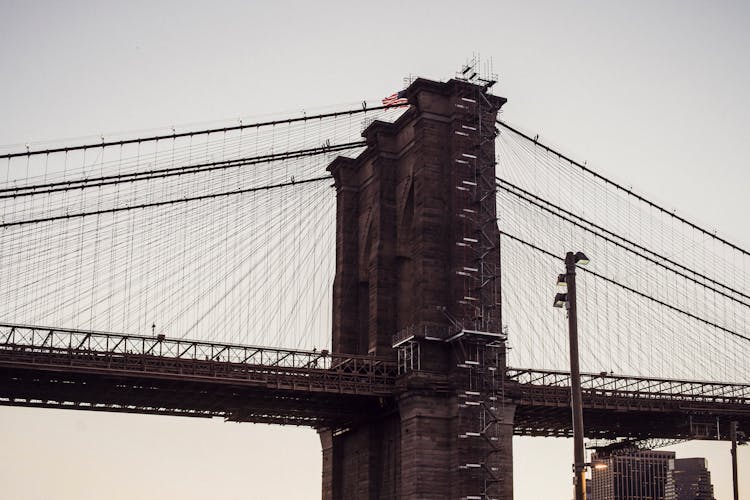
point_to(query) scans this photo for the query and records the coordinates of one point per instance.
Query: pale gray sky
(653, 94)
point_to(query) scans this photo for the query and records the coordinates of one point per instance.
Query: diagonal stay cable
(75, 184)
(629, 289)
(541, 202)
(163, 203)
(622, 188)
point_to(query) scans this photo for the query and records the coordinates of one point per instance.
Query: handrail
(636, 385)
(44, 338)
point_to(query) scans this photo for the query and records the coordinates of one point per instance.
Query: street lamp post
(569, 300)
(733, 436)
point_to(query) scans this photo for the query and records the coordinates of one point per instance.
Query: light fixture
(561, 299)
(581, 259)
(568, 300)
(561, 281)
(597, 464)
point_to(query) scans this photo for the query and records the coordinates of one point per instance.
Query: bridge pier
(421, 453)
(417, 278)
(438, 446)
(362, 462)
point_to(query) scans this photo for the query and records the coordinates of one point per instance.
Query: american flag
(397, 99)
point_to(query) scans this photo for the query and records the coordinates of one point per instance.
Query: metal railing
(62, 348)
(636, 386)
(283, 368)
(422, 331)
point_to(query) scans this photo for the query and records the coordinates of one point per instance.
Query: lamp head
(561, 300)
(562, 281)
(581, 259)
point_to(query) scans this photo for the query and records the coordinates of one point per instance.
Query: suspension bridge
(383, 274)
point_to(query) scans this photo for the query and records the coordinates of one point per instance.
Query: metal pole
(575, 381)
(733, 436)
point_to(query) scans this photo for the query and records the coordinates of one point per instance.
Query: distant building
(692, 479)
(649, 475)
(640, 475)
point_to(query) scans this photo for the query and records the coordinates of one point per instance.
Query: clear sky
(653, 94)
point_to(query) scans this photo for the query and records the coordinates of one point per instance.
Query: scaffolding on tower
(479, 343)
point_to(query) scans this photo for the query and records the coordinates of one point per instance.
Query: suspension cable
(525, 196)
(173, 135)
(629, 289)
(74, 184)
(164, 202)
(624, 189)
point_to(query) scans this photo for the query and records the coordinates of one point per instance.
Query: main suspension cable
(526, 196)
(74, 184)
(163, 203)
(624, 189)
(627, 288)
(173, 135)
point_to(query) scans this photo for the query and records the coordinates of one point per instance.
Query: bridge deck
(627, 406)
(131, 373)
(67, 368)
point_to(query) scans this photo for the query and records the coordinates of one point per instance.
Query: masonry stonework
(406, 261)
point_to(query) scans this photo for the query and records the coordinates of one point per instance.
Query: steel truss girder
(45, 367)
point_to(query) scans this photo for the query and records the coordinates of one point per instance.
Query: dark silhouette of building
(692, 479)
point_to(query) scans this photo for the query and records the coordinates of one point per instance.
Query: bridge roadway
(65, 368)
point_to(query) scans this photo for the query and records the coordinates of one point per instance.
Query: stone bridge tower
(417, 280)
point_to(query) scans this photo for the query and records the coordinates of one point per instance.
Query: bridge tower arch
(417, 280)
